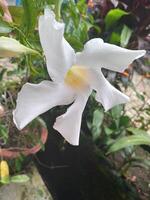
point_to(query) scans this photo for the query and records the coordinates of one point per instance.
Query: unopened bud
(10, 47)
(7, 16)
(4, 171)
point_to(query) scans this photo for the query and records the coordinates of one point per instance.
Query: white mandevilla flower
(74, 76)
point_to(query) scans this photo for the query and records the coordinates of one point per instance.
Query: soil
(138, 176)
(15, 139)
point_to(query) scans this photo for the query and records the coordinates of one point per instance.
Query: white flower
(74, 77)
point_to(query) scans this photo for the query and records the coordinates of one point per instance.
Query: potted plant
(26, 142)
(83, 171)
(15, 146)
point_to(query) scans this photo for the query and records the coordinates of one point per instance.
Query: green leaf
(116, 114)
(2, 72)
(98, 117)
(124, 121)
(3, 133)
(136, 131)
(129, 141)
(108, 131)
(5, 180)
(30, 15)
(75, 43)
(82, 6)
(19, 179)
(17, 13)
(113, 16)
(19, 163)
(125, 36)
(84, 32)
(4, 27)
(140, 162)
(114, 38)
(116, 111)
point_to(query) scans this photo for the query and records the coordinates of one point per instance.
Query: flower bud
(4, 171)
(7, 16)
(10, 47)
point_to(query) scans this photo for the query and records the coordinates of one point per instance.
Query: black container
(79, 172)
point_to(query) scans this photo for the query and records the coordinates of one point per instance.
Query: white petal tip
(140, 53)
(19, 127)
(125, 100)
(68, 139)
(16, 124)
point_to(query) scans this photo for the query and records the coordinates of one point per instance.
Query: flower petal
(98, 54)
(69, 124)
(106, 94)
(35, 99)
(59, 54)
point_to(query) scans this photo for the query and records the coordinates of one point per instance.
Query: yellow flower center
(77, 77)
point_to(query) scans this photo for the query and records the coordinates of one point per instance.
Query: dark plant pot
(79, 172)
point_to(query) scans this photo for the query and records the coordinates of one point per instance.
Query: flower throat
(77, 77)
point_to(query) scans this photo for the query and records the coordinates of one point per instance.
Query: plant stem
(58, 4)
